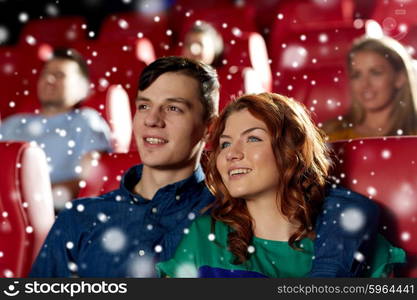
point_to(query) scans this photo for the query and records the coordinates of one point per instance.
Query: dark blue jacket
(121, 234)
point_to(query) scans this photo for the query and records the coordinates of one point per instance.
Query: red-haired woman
(268, 172)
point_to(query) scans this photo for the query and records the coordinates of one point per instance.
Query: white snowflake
(113, 240)
(405, 236)
(23, 17)
(352, 220)
(72, 266)
(69, 245)
(158, 249)
(123, 24)
(386, 154)
(141, 267)
(359, 256)
(4, 34)
(186, 270)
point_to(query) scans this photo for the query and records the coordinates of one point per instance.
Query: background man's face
(199, 46)
(61, 84)
(168, 123)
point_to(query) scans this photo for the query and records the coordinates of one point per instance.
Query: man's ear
(400, 80)
(83, 89)
(208, 132)
(209, 128)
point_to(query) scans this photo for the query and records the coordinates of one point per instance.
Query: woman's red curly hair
(300, 152)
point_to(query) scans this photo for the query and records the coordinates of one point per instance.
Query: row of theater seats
(26, 207)
(303, 55)
(116, 60)
(361, 165)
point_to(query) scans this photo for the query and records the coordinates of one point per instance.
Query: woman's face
(373, 80)
(246, 161)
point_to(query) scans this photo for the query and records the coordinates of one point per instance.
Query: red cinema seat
(306, 15)
(184, 5)
(312, 49)
(114, 73)
(26, 206)
(113, 62)
(123, 27)
(323, 90)
(245, 67)
(385, 169)
(226, 19)
(57, 32)
(104, 172)
(19, 72)
(410, 40)
(395, 16)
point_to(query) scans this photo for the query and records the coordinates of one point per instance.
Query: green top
(202, 254)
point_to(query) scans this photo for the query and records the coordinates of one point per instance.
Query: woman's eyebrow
(244, 132)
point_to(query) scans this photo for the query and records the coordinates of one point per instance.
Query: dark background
(93, 10)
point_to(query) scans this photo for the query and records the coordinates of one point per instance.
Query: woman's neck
(269, 222)
(376, 123)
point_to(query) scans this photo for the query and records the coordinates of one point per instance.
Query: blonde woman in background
(383, 90)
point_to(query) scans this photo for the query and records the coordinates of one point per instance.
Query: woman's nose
(235, 152)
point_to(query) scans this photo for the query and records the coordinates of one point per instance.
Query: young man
(125, 232)
(64, 132)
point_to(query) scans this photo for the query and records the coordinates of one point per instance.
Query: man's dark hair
(205, 75)
(73, 55)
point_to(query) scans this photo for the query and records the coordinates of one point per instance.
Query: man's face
(61, 84)
(168, 123)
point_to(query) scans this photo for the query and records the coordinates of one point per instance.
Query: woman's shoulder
(384, 257)
(207, 224)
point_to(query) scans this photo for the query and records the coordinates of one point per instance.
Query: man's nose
(154, 118)
(50, 78)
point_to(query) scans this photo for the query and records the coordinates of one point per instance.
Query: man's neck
(51, 111)
(153, 179)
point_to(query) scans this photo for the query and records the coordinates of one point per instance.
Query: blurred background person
(383, 91)
(204, 43)
(66, 133)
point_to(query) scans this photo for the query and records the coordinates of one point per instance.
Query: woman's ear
(400, 80)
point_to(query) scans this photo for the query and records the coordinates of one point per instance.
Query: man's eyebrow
(174, 99)
(244, 132)
(184, 101)
(139, 98)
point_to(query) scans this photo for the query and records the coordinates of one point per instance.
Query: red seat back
(225, 19)
(122, 27)
(244, 56)
(19, 72)
(105, 172)
(323, 90)
(385, 169)
(114, 73)
(311, 67)
(395, 16)
(26, 206)
(58, 32)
